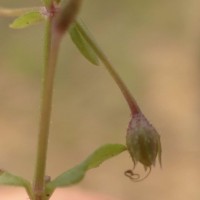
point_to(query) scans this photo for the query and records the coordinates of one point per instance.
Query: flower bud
(143, 142)
(67, 15)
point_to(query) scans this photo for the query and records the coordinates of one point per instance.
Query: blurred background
(154, 46)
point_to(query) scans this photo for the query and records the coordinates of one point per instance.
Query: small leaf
(103, 153)
(27, 19)
(69, 177)
(83, 46)
(77, 173)
(10, 179)
(7, 178)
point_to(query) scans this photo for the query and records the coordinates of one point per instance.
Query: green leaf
(10, 179)
(83, 46)
(77, 173)
(7, 178)
(103, 153)
(27, 19)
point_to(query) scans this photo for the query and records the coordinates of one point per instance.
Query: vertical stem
(44, 119)
(127, 95)
(51, 53)
(55, 29)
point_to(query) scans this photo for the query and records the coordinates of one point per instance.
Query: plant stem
(50, 58)
(126, 93)
(53, 37)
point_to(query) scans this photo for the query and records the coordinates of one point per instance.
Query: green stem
(29, 191)
(127, 95)
(51, 53)
(53, 37)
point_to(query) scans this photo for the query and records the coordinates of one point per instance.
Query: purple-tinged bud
(143, 143)
(67, 15)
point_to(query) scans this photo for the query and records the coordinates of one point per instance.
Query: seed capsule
(143, 143)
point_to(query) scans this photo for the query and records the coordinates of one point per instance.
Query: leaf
(103, 153)
(10, 179)
(7, 178)
(83, 46)
(77, 173)
(27, 19)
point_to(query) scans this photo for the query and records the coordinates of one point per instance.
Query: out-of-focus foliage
(27, 19)
(83, 45)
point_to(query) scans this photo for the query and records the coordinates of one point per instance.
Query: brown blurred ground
(72, 193)
(155, 47)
